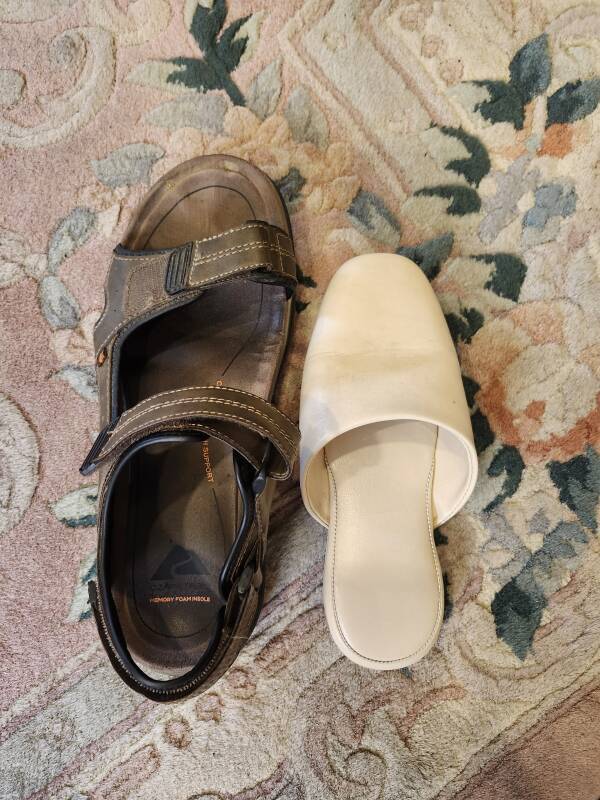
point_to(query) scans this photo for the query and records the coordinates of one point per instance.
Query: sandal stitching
(125, 323)
(185, 400)
(211, 387)
(287, 456)
(215, 278)
(238, 248)
(115, 432)
(194, 683)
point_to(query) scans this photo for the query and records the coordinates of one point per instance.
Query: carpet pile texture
(464, 135)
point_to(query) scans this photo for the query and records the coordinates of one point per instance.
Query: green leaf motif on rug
(483, 435)
(530, 74)
(305, 280)
(464, 199)
(265, 90)
(530, 71)
(504, 104)
(518, 606)
(190, 110)
(290, 186)
(57, 303)
(370, 214)
(81, 378)
(517, 610)
(439, 538)
(127, 165)
(221, 54)
(77, 509)
(72, 232)
(578, 482)
(507, 276)
(465, 325)
(477, 166)
(471, 388)
(429, 255)
(507, 461)
(306, 120)
(573, 101)
(447, 601)
(80, 608)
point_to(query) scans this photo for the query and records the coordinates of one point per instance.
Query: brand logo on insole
(207, 465)
(179, 563)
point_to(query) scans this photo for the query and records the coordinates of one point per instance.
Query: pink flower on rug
(327, 176)
(539, 389)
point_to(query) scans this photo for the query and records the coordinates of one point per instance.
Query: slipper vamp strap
(399, 363)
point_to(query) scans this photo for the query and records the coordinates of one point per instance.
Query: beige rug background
(463, 134)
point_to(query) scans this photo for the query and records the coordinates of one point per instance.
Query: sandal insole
(183, 527)
(384, 597)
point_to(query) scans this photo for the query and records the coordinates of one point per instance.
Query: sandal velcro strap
(243, 420)
(252, 248)
(158, 280)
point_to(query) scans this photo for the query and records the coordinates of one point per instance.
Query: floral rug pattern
(465, 136)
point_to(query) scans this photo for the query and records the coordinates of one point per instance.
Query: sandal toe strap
(146, 283)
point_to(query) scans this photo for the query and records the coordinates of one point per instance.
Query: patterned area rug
(465, 135)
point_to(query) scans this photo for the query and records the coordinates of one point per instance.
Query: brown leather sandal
(188, 351)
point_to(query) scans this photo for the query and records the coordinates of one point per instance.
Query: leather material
(141, 285)
(240, 418)
(386, 453)
(245, 598)
(233, 633)
(398, 363)
(186, 461)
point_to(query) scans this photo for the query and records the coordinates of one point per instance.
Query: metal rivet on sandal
(102, 355)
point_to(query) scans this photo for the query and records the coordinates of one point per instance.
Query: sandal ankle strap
(243, 420)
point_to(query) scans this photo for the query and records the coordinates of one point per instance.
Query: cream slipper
(386, 454)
